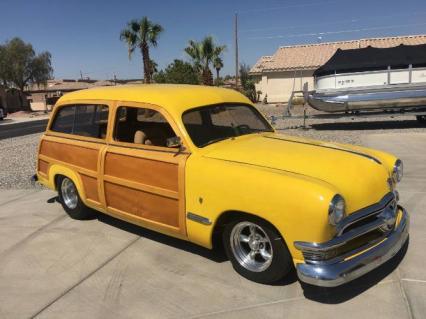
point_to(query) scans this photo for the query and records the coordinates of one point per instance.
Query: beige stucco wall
(279, 85)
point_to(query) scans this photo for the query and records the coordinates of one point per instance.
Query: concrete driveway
(54, 267)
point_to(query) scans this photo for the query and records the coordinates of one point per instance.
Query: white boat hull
(373, 98)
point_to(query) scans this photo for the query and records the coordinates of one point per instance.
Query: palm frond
(154, 34)
(128, 36)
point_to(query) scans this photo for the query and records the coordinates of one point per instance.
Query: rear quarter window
(90, 120)
(64, 120)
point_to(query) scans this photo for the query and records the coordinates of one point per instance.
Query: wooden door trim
(101, 169)
(142, 187)
(147, 223)
(78, 169)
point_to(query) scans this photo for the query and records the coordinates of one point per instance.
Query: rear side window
(89, 120)
(64, 120)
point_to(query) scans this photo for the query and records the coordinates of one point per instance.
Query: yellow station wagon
(202, 164)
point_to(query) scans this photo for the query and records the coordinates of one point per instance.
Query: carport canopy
(370, 59)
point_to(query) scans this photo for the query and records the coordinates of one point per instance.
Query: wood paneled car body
(202, 164)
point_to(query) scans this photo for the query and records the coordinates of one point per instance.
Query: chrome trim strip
(198, 219)
(332, 275)
(337, 242)
(329, 147)
(364, 213)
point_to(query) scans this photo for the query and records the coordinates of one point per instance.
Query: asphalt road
(54, 267)
(8, 130)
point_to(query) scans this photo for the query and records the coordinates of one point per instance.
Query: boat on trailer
(371, 79)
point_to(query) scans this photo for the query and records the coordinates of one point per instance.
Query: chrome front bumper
(338, 273)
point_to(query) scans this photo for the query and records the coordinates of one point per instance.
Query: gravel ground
(18, 155)
(18, 161)
(346, 130)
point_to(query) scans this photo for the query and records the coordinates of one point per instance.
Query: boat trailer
(417, 111)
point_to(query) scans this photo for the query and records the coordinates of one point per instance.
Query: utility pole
(236, 51)
(81, 75)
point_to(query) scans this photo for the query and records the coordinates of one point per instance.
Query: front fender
(295, 204)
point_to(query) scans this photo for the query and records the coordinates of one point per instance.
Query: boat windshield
(210, 124)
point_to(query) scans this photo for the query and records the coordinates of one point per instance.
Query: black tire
(281, 263)
(78, 210)
(421, 119)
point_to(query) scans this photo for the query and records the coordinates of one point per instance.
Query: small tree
(178, 72)
(153, 67)
(218, 65)
(20, 66)
(247, 82)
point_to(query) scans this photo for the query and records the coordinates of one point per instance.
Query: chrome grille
(357, 232)
(367, 215)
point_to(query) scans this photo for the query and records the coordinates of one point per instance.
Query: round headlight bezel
(398, 171)
(336, 210)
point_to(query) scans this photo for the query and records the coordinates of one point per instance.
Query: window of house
(142, 126)
(89, 120)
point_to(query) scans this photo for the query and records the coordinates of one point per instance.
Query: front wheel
(71, 201)
(256, 250)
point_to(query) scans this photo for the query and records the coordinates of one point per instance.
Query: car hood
(359, 177)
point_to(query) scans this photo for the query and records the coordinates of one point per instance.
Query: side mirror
(174, 142)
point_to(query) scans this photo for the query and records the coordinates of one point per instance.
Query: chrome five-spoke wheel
(256, 249)
(251, 246)
(70, 199)
(69, 193)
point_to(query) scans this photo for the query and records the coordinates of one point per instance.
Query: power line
(335, 22)
(335, 32)
(301, 5)
(297, 26)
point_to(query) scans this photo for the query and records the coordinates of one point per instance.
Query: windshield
(209, 124)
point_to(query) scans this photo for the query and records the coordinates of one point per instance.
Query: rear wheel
(421, 118)
(71, 201)
(256, 250)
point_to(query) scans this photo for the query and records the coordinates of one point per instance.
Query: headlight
(336, 210)
(398, 171)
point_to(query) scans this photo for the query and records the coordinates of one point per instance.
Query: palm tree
(203, 55)
(142, 34)
(218, 65)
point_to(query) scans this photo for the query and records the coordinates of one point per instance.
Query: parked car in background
(3, 113)
(202, 164)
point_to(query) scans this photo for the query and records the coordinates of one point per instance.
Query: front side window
(142, 126)
(90, 120)
(209, 124)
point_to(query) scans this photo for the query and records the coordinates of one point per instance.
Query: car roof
(175, 98)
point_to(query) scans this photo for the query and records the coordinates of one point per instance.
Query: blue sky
(84, 35)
